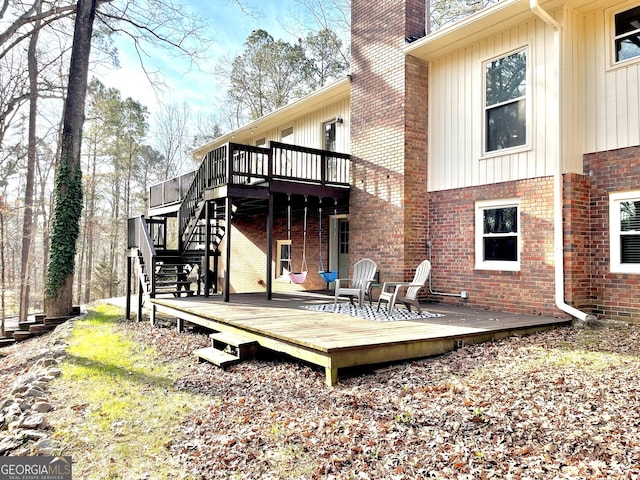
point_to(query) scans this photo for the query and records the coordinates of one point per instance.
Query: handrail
(147, 250)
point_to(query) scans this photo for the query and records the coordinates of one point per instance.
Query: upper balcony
(245, 171)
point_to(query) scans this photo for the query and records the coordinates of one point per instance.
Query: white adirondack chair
(364, 272)
(391, 290)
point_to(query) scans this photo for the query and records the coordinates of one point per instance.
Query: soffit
(486, 22)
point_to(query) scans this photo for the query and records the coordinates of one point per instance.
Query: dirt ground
(559, 404)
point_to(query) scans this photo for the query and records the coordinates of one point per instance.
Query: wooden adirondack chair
(390, 290)
(364, 272)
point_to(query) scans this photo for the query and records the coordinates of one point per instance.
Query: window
(261, 142)
(329, 137)
(627, 34)
(283, 260)
(505, 101)
(498, 235)
(624, 224)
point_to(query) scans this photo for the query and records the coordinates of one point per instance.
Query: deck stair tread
(5, 342)
(241, 346)
(41, 328)
(216, 356)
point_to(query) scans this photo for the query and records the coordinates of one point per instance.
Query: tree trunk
(68, 185)
(27, 223)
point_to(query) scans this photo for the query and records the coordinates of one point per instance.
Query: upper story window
(498, 235)
(505, 101)
(261, 142)
(624, 225)
(627, 34)
(329, 136)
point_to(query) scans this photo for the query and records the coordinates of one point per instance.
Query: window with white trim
(624, 225)
(498, 235)
(283, 258)
(505, 105)
(627, 34)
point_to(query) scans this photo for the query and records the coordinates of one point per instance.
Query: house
(504, 147)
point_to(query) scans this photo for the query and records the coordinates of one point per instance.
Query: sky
(230, 27)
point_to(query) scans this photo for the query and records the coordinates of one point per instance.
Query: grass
(120, 408)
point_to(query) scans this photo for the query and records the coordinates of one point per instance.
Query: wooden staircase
(227, 349)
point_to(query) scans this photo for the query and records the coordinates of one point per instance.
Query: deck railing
(235, 164)
(139, 237)
(170, 191)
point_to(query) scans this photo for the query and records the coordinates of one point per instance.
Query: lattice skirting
(369, 312)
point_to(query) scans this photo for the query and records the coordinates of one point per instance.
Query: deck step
(56, 320)
(41, 328)
(5, 342)
(240, 346)
(20, 335)
(215, 356)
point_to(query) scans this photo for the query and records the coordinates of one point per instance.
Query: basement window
(498, 235)
(627, 34)
(624, 224)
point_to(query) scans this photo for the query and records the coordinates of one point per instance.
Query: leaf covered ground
(559, 404)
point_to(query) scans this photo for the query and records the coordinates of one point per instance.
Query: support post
(270, 248)
(227, 267)
(139, 319)
(207, 248)
(128, 296)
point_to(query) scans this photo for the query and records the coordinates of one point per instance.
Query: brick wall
(388, 137)
(248, 254)
(452, 233)
(614, 295)
(577, 243)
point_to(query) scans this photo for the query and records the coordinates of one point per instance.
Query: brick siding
(614, 295)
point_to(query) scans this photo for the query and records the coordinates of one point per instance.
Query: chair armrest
(396, 285)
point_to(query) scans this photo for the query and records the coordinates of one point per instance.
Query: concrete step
(240, 346)
(215, 356)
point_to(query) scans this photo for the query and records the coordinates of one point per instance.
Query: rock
(33, 392)
(46, 446)
(42, 407)
(46, 362)
(7, 443)
(32, 420)
(31, 435)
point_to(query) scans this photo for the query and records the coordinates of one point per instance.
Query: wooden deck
(335, 341)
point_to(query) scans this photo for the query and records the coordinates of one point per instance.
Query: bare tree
(172, 133)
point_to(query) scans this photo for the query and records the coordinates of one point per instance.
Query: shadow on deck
(333, 340)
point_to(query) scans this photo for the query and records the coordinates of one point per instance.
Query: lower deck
(334, 340)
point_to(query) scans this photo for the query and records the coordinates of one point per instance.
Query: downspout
(558, 227)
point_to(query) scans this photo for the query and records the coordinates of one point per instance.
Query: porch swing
(297, 277)
(328, 276)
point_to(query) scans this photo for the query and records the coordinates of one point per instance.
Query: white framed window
(505, 101)
(498, 234)
(624, 235)
(261, 142)
(283, 258)
(626, 35)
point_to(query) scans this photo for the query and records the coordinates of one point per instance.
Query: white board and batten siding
(456, 157)
(307, 128)
(612, 91)
(599, 105)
